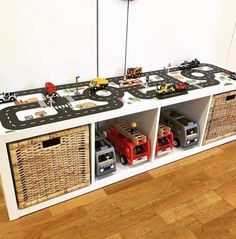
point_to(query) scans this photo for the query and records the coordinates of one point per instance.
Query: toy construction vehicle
(7, 97)
(189, 64)
(98, 83)
(165, 88)
(134, 72)
(133, 146)
(186, 131)
(104, 155)
(165, 139)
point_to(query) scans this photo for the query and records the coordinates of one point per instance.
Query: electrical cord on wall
(231, 43)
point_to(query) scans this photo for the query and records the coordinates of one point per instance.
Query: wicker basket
(50, 165)
(222, 117)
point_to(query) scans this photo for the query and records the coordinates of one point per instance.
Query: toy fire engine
(134, 72)
(50, 89)
(133, 146)
(165, 139)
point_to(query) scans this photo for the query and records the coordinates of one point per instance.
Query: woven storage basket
(222, 117)
(50, 165)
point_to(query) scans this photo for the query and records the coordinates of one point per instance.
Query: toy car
(233, 75)
(7, 97)
(165, 139)
(186, 131)
(189, 64)
(104, 155)
(133, 146)
(50, 89)
(181, 86)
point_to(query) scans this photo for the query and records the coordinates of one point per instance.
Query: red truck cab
(133, 148)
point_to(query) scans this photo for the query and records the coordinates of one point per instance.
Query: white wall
(54, 40)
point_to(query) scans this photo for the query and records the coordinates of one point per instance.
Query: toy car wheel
(123, 160)
(12, 99)
(1, 100)
(176, 143)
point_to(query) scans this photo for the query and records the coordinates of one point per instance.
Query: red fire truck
(50, 89)
(165, 139)
(132, 146)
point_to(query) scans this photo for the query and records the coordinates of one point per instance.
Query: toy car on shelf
(104, 155)
(98, 83)
(7, 97)
(51, 89)
(132, 146)
(134, 72)
(185, 130)
(233, 75)
(165, 139)
(181, 86)
(189, 64)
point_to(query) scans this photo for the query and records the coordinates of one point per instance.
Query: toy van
(185, 130)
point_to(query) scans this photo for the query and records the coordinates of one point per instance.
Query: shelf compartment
(146, 124)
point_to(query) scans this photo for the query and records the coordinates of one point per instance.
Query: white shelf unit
(147, 118)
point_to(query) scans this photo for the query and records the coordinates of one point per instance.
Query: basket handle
(51, 142)
(230, 97)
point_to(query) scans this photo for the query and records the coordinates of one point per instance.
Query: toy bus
(186, 131)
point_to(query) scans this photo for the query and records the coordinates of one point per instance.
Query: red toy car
(50, 89)
(165, 139)
(132, 146)
(181, 86)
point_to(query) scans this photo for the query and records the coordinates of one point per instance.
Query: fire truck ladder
(125, 130)
(163, 130)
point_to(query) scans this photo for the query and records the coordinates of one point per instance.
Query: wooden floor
(192, 198)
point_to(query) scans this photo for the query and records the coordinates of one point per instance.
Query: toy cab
(185, 130)
(104, 155)
(165, 139)
(7, 97)
(132, 146)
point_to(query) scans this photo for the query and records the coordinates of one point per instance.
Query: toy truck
(50, 89)
(98, 83)
(132, 146)
(185, 130)
(165, 139)
(134, 72)
(104, 155)
(7, 97)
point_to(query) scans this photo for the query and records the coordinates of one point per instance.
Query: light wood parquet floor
(194, 198)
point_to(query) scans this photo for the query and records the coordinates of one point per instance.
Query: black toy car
(189, 64)
(233, 75)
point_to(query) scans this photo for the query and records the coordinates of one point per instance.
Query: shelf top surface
(77, 104)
